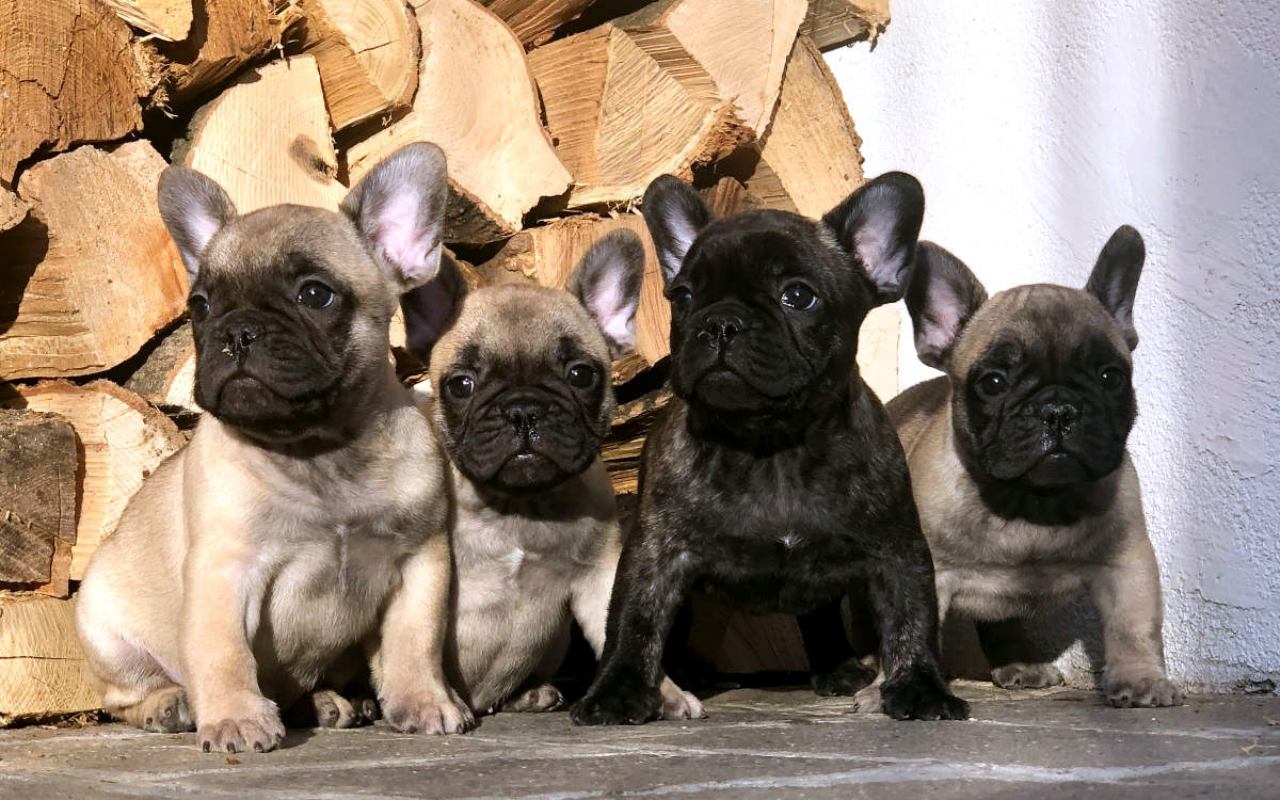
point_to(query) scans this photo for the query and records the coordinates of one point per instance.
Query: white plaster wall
(1037, 128)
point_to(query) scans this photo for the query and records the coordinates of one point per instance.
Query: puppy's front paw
(1027, 676)
(254, 727)
(428, 714)
(1142, 691)
(845, 680)
(921, 695)
(630, 703)
(868, 700)
(165, 711)
(679, 704)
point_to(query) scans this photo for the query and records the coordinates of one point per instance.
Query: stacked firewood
(554, 115)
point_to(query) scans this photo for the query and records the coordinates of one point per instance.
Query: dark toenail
(148, 721)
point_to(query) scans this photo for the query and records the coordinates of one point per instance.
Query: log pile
(554, 114)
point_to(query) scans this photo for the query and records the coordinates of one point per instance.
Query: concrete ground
(757, 744)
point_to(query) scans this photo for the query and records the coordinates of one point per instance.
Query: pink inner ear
(871, 242)
(400, 236)
(944, 316)
(202, 227)
(613, 313)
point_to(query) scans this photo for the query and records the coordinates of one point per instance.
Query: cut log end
(43, 671)
(123, 440)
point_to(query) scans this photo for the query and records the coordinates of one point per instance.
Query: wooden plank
(67, 76)
(43, 671)
(123, 440)
(37, 495)
(92, 272)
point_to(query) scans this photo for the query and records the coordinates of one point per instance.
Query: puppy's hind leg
(834, 667)
(327, 708)
(1014, 665)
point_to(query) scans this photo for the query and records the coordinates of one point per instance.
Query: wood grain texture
(169, 20)
(535, 21)
(742, 44)
(37, 494)
(625, 109)
(477, 101)
(43, 671)
(266, 139)
(13, 209)
(166, 377)
(835, 23)
(367, 52)
(92, 272)
(809, 159)
(68, 75)
(122, 441)
(226, 36)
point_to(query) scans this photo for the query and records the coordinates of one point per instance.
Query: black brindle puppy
(774, 480)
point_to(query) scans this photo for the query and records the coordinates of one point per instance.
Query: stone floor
(757, 744)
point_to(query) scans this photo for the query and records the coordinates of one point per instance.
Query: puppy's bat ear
(942, 296)
(675, 214)
(1114, 280)
(193, 208)
(879, 224)
(430, 309)
(607, 283)
(399, 210)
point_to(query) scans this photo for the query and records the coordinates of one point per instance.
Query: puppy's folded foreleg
(901, 588)
(407, 656)
(630, 687)
(223, 599)
(1127, 595)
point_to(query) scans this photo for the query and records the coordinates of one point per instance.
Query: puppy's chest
(507, 559)
(993, 567)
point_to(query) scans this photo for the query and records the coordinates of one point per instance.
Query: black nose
(720, 329)
(1059, 416)
(240, 337)
(523, 414)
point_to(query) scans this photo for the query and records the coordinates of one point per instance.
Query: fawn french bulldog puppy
(774, 479)
(1026, 492)
(523, 400)
(308, 514)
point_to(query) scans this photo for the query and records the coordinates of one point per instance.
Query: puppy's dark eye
(681, 297)
(1111, 378)
(993, 384)
(582, 376)
(199, 306)
(799, 297)
(315, 294)
(460, 386)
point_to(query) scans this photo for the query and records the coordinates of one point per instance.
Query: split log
(13, 209)
(167, 378)
(225, 37)
(68, 75)
(266, 139)
(548, 253)
(878, 350)
(534, 22)
(367, 52)
(123, 440)
(625, 109)
(742, 44)
(476, 100)
(810, 159)
(37, 497)
(43, 671)
(835, 23)
(169, 20)
(93, 274)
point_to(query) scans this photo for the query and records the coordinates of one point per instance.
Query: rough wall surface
(1036, 129)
